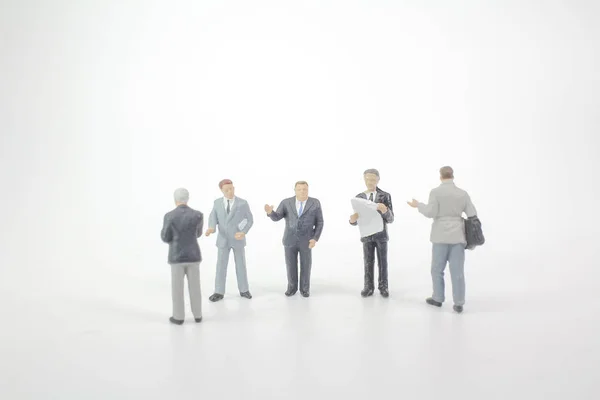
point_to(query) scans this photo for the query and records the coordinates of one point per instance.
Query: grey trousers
(291, 262)
(178, 273)
(453, 254)
(239, 256)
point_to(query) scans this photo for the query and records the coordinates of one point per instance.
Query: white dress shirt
(369, 195)
(231, 201)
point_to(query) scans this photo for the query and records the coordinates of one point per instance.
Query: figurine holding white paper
(369, 221)
(232, 216)
(372, 213)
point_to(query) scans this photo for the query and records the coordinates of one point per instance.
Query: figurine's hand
(239, 235)
(209, 231)
(312, 243)
(382, 207)
(268, 209)
(414, 203)
(354, 218)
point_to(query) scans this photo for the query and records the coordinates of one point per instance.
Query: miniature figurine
(181, 229)
(446, 205)
(233, 217)
(376, 241)
(303, 228)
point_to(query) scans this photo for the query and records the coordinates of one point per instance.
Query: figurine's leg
(291, 263)
(439, 259)
(305, 268)
(221, 276)
(239, 255)
(369, 266)
(177, 276)
(456, 260)
(382, 250)
(193, 278)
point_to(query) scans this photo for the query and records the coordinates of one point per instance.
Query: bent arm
(388, 216)
(276, 215)
(212, 218)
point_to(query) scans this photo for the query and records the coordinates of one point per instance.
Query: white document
(242, 224)
(369, 219)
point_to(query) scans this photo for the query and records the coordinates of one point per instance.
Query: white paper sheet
(369, 220)
(242, 224)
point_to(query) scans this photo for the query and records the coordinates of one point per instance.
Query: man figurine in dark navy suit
(377, 242)
(303, 227)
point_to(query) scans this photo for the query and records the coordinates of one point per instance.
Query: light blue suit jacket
(229, 225)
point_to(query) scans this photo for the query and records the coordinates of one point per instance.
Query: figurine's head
(227, 188)
(446, 173)
(301, 190)
(181, 196)
(371, 179)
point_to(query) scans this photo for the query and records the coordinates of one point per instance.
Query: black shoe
(198, 320)
(384, 292)
(216, 297)
(290, 292)
(176, 321)
(433, 302)
(458, 309)
(366, 292)
(305, 294)
(246, 295)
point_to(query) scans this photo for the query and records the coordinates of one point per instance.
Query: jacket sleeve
(200, 225)
(430, 210)
(249, 218)
(276, 215)
(318, 223)
(388, 216)
(470, 208)
(166, 234)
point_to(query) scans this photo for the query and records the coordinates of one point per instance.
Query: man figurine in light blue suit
(233, 217)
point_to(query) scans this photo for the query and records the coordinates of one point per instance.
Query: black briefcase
(473, 232)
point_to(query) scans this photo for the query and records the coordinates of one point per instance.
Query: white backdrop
(107, 107)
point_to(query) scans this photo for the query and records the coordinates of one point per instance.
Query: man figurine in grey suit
(181, 229)
(303, 228)
(233, 217)
(446, 205)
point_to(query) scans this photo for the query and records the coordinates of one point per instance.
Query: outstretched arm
(429, 210)
(212, 218)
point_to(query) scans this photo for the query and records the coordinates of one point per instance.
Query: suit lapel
(309, 203)
(292, 205)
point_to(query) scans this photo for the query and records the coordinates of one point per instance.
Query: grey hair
(447, 172)
(181, 195)
(371, 171)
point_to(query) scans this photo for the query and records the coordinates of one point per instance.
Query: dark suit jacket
(181, 229)
(388, 217)
(299, 231)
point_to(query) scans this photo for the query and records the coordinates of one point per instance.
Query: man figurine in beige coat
(446, 205)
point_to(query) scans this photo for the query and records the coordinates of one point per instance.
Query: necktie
(228, 206)
(300, 211)
(371, 196)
